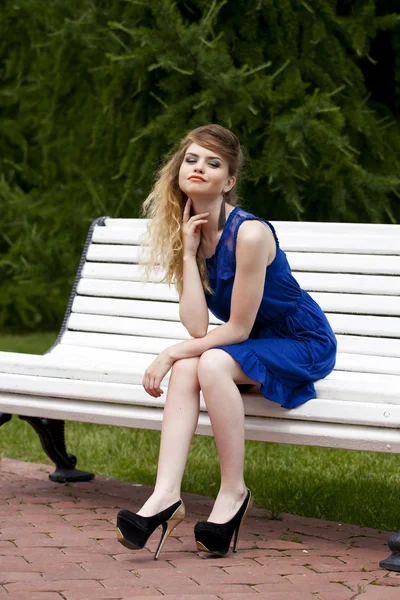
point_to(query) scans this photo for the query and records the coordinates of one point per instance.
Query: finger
(150, 391)
(198, 222)
(147, 385)
(194, 218)
(157, 389)
(193, 229)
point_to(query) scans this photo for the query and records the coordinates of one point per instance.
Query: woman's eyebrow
(197, 156)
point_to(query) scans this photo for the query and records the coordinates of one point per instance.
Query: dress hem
(270, 379)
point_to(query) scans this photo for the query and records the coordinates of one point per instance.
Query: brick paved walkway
(58, 542)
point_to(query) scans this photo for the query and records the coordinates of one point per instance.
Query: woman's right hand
(191, 229)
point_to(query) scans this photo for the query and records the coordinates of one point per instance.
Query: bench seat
(353, 395)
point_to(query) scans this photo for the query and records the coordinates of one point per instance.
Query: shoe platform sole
(202, 548)
(125, 542)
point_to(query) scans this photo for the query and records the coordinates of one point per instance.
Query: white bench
(116, 324)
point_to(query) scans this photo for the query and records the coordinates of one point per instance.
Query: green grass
(339, 485)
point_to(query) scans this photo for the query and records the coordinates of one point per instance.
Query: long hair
(165, 204)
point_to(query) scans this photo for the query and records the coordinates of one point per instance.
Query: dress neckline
(222, 235)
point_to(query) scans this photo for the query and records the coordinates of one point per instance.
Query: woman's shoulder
(249, 224)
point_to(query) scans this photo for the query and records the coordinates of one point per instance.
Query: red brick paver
(57, 542)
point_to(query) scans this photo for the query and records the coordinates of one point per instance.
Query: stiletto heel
(169, 526)
(237, 531)
(133, 530)
(216, 537)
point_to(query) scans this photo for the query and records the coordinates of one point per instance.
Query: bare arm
(193, 310)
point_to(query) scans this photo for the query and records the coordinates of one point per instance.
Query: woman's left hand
(156, 372)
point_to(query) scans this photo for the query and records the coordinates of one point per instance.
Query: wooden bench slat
(365, 363)
(355, 344)
(363, 325)
(127, 326)
(289, 241)
(329, 302)
(351, 437)
(127, 289)
(346, 343)
(119, 272)
(127, 343)
(109, 253)
(338, 263)
(357, 304)
(168, 311)
(320, 282)
(299, 261)
(352, 229)
(349, 283)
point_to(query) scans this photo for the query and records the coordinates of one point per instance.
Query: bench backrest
(351, 270)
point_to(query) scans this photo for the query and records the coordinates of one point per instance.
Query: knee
(211, 364)
(185, 370)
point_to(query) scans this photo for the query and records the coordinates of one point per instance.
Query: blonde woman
(274, 336)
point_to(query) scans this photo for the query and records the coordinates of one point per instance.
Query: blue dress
(292, 343)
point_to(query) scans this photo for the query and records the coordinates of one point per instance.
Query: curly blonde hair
(165, 204)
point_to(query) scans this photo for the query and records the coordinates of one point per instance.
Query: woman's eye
(215, 164)
(190, 159)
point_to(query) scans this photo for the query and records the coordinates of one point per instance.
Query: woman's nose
(198, 168)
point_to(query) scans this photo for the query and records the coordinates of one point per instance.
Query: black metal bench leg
(393, 562)
(52, 438)
(4, 418)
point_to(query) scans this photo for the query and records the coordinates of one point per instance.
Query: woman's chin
(196, 194)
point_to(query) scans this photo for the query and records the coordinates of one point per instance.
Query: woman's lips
(196, 178)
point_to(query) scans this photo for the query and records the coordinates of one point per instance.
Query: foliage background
(95, 92)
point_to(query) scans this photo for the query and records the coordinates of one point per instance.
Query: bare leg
(180, 418)
(218, 375)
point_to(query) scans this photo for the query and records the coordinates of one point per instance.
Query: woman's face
(203, 173)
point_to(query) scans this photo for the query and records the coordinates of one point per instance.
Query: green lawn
(339, 485)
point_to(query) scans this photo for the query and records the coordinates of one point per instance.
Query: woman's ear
(229, 184)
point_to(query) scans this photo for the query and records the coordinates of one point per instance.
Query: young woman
(274, 336)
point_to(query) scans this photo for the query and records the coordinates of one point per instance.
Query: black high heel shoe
(216, 537)
(133, 530)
